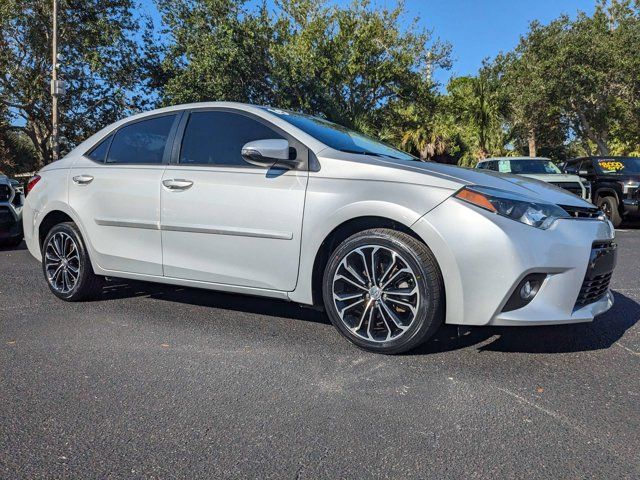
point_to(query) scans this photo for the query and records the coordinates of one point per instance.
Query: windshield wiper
(373, 154)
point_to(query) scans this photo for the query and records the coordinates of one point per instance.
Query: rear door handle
(83, 179)
(177, 184)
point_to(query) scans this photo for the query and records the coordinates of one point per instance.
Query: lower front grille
(5, 193)
(596, 281)
(594, 289)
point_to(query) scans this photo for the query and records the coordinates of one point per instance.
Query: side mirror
(270, 153)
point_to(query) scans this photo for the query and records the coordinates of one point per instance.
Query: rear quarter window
(142, 142)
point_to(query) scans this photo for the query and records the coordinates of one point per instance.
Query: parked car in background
(262, 201)
(543, 169)
(11, 204)
(615, 183)
(17, 186)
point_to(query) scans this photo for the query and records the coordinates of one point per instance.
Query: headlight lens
(629, 186)
(516, 207)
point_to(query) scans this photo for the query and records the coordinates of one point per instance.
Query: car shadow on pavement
(118, 289)
(631, 224)
(600, 334)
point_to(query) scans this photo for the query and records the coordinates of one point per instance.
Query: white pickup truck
(541, 169)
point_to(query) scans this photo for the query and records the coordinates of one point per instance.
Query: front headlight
(629, 186)
(516, 207)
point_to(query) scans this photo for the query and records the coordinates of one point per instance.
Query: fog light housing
(525, 291)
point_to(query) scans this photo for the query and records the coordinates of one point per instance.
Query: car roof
(264, 112)
(596, 157)
(513, 159)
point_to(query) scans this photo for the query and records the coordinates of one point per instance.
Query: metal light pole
(54, 86)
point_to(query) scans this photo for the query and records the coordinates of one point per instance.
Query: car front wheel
(383, 291)
(66, 264)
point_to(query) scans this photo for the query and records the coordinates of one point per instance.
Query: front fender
(606, 189)
(332, 202)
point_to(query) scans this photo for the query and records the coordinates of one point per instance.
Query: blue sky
(475, 28)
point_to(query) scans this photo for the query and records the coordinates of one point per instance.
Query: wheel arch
(55, 213)
(340, 233)
(49, 221)
(606, 192)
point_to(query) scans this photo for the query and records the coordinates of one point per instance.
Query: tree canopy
(569, 87)
(353, 64)
(99, 58)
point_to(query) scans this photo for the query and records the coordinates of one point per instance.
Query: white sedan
(261, 201)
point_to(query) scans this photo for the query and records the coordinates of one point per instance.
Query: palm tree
(424, 139)
(483, 112)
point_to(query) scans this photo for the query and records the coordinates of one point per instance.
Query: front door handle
(177, 184)
(83, 179)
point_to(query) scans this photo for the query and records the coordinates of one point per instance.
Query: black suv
(615, 183)
(11, 202)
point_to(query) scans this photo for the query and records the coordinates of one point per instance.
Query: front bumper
(631, 206)
(10, 222)
(484, 256)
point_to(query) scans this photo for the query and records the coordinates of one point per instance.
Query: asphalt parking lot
(164, 382)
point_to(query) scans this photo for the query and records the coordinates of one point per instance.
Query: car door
(115, 190)
(587, 170)
(226, 221)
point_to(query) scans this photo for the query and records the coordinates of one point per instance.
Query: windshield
(620, 166)
(533, 166)
(339, 137)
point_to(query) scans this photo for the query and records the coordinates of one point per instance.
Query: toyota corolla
(260, 201)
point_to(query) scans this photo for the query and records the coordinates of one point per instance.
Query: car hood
(338, 164)
(553, 177)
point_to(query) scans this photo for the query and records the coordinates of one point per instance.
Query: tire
(609, 206)
(65, 257)
(404, 271)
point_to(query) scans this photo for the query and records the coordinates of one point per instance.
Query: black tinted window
(99, 153)
(491, 165)
(141, 142)
(587, 166)
(571, 167)
(216, 138)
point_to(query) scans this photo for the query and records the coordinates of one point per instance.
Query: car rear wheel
(383, 291)
(609, 207)
(66, 264)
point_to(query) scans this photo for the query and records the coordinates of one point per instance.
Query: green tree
(100, 65)
(526, 104)
(474, 104)
(577, 79)
(16, 151)
(355, 64)
(352, 64)
(214, 50)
